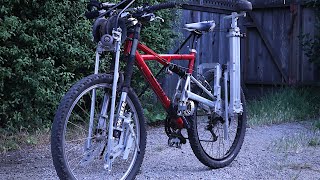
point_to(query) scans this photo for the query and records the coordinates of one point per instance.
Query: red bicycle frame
(163, 59)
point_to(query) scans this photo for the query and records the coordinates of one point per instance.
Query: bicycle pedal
(174, 142)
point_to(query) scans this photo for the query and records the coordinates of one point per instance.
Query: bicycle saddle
(204, 26)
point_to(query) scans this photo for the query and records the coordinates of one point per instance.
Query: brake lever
(152, 17)
(156, 18)
(107, 5)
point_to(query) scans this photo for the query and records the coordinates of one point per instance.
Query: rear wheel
(72, 157)
(206, 134)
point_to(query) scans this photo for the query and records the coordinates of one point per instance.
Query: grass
(315, 139)
(296, 142)
(286, 105)
(317, 124)
(10, 141)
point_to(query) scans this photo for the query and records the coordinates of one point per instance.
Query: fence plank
(270, 54)
(308, 70)
(269, 46)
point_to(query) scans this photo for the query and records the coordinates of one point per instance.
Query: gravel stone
(258, 159)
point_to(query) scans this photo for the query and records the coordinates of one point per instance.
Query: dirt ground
(269, 152)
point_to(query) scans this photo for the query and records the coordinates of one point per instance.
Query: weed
(287, 105)
(314, 141)
(10, 141)
(297, 142)
(317, 124)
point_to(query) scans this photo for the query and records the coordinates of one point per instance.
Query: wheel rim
(214, 145)
(75, 135)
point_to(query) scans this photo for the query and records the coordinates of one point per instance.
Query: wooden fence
(271, 54)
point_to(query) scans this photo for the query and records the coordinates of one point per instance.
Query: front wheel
(79, 147)
(206, 134)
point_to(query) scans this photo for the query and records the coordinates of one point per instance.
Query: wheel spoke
(72, 137)
(78, 126)
(74, 147)
(75, 140)
(76, 166)
(83, 110)
(80, 156)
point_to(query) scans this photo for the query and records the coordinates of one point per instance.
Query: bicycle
(99, 123)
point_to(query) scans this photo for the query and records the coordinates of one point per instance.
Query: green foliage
(311, 45)
(154, 112)
(44, 47)
(284, 106)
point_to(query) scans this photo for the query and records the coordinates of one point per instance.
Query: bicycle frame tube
(108, 164)
(163, 59)
(234, 64)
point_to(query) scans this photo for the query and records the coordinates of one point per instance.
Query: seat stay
(187, 94)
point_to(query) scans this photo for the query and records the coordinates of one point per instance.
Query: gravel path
(262, 157)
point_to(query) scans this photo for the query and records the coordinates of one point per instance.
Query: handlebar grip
(92, 14)
(162, 6)
(94, 4)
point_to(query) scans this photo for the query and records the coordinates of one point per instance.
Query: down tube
(152, 81)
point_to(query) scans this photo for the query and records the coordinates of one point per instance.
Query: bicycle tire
(68, 110)
(197, 143)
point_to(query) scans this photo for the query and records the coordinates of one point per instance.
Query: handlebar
(98, 9)
(102, 8)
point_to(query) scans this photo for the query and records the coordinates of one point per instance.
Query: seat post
(183, 44)
(196, 36)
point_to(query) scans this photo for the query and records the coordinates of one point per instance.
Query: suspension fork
(127, 83)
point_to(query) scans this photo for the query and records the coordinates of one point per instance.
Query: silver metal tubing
(216, 79)
(217, 88)
(234, 64)
(226, 104)
(177, 90)
(103, 114)
(183, 97)
(93, 100)
(96, 67)
(201, 99)
(113, 100)
(235, 103)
